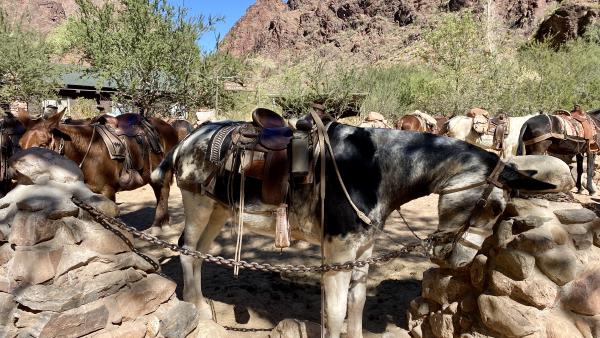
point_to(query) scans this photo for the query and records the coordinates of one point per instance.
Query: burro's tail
(164, 169)
(521, 144)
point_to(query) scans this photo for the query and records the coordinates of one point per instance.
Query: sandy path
(260, 300)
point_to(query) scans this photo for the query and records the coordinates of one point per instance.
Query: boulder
(478, 271)
(559, 325)
(575, 216)
(144, 296)
(583, 294)
(441, 325)
(567, 22)
(547, 169)
(580, 236)
(77, 322)
(560, 264)
(394, 332)
(177, 319)
(6, 253)
(509, 318)
(536, 291)
(8, 306)
(442, 288)
(210, 329)
(534, 241)
(38, 165)
(30, 228)
(135, 329)
(34, 266)
(516, 264)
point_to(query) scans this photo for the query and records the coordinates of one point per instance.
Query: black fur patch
(361, 174)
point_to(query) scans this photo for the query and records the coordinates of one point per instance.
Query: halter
(61, 146)
(472, 236)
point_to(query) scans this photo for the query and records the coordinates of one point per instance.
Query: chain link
(422, 248)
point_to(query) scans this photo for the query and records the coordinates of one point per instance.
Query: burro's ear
(519, 180)
(54, 120)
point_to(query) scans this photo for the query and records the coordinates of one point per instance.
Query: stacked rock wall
(537, 276)
(62, 274)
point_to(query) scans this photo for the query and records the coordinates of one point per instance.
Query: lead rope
(89, 147)
(320, 132)
(240, 228)
(323, 131)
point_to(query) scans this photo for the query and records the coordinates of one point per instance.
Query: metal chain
(409, 249)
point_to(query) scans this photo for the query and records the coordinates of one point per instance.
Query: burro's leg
(336, 283)
(357, 294)
(203, 221)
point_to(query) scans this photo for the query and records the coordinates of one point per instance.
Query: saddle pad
(152, 137)
(220, 143)
(571, 127)
(116, 148)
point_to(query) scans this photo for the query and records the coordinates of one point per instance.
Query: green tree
(148, 48)
(26, 73)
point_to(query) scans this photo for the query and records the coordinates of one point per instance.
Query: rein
(61, 146)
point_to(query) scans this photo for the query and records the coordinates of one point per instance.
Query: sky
(231, 10)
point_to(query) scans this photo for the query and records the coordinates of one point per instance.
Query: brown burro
(115, 153)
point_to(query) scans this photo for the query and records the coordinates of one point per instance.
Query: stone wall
(62, 274)
(537, 276)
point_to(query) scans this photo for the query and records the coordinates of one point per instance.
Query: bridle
(60, 149)
(467, 234)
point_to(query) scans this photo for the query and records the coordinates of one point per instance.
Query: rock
(77, 322)
(73, 257)
(560, 325)
(177, 319)
(478, 271)
(32, 228)
(580, 236)
(8, 306)
(536, 291)
(395, 332)
(421, 306)
(210, 329)
(528, 207)
(575, 216)
(444, 289)
(103, 204)
(34, 266)
(468, 304)
(518, 265)
(31, 324)
(441, 325)
(583, 294)
(509, 318)
(68, 296)
(504, 233)
(134, 329)
(525, 223)
(38, 165)
(559, 264)
(103, 241)
(144, 296)
(534, 241)
(8, 331)
(6, 253)
(566, 23)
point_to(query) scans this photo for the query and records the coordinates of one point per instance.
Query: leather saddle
(118, 132)
(266, 139)
(579, 125)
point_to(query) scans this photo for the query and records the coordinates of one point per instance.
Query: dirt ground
(259, 300)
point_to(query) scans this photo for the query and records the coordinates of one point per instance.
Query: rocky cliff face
(374, 29)
(41, 15)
